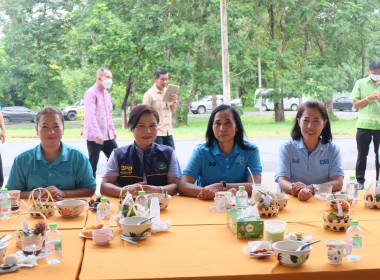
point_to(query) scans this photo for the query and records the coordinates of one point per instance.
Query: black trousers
(1, 173)
(165, 140)
(363, 140)
(95, 149)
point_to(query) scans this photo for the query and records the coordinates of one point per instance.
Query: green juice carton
(252, 227)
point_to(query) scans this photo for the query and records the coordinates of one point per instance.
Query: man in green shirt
(366, 97)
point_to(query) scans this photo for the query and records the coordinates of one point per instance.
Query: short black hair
(49, 111)
(137, 112)
(326, 132)
(239, 135)
(160, 71)
(374, 64)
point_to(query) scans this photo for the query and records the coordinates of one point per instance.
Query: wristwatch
(224, 185)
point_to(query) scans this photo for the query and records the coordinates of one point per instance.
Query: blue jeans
(165, 140)
(95, 149)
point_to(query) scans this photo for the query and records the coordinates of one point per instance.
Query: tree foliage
(50, 49)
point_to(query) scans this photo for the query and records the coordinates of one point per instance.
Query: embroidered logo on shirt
(162, 166)
(296, 161)
(125, 170)
(241, 160)
(324, 161)
(212, 163)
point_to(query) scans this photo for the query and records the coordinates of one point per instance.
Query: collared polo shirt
(153, 97)
(208, 165)
(299, 165)
(369, 115)
(98, 115)
(71, 170)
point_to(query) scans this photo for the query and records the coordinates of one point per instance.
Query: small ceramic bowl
(3, 249)
(164, 202)
(282, 200)
(286, 254)
(130, 228)
(71, 208)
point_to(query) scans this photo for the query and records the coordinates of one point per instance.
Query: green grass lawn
(255, 126)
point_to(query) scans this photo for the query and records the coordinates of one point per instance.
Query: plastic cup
(274, 230)
(322, 191)
(15, 200)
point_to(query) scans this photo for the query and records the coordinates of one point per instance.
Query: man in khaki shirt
(153, 97)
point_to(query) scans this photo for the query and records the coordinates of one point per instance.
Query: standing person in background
(2, 139)
(99, 130)
(366, 98)
(153, 97)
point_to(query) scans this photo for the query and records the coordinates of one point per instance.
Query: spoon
(128, 240)
(144, 221)
(301, 248)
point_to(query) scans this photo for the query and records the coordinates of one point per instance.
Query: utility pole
(225, 60)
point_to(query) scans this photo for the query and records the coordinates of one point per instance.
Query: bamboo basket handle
(26, 213)
(35, 202)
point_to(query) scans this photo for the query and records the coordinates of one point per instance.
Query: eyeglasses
(51, 129)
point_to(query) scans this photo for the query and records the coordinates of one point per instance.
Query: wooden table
(199, 245)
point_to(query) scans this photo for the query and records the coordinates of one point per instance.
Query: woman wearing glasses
(310, 157)
(61, 169)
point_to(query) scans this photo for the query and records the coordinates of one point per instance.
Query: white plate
(256, 256)
(306, 238)
(41, 255)
(84, 236)
(11, 269)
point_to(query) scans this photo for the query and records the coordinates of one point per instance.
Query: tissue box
(251, 227)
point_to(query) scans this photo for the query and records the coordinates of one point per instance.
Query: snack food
(93, 203)
(87, 231)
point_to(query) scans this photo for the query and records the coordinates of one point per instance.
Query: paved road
(268, 152)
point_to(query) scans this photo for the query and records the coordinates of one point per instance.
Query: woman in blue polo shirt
(144, 162)
(310, 157)
(61, 169)
(222, 162)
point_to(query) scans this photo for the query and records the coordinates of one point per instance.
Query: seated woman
(61, 169)
(222, 162)
(310, 158)
(144, 162)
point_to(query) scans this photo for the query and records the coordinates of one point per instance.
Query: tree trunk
(130, 85)
(279, 114)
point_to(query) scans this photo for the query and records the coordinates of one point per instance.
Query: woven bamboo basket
(268, 211)
(46, 207)
(371, 199)
(20, 233)
(332, 220)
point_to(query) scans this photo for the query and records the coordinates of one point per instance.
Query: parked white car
(266, 104)
(204, 104)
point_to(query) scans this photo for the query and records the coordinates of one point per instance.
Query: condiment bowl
(71, 208)
(287, 255)
(164, 202)
(130, 228)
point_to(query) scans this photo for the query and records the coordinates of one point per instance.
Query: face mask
(374, 77)
(107, 83)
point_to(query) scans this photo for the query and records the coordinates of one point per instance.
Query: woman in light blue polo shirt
(52, 165)
(310, 158)
(222, 162)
